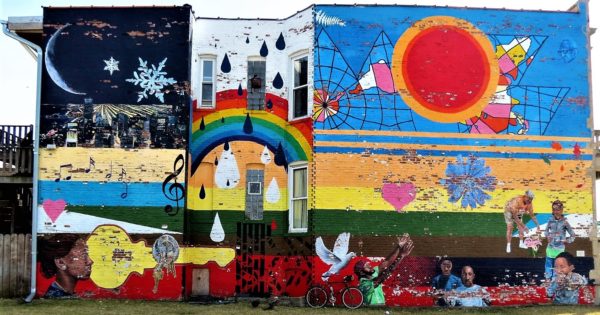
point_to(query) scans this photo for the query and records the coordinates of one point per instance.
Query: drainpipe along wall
(34, 210)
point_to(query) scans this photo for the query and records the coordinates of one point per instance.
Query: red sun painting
(445, 69)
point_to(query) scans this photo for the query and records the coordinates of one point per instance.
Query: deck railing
(16, 150)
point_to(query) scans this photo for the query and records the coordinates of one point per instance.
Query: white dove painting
(339, 258)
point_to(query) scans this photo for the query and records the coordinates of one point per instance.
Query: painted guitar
(115, 256)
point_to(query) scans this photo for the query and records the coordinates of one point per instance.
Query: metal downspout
(36, 145)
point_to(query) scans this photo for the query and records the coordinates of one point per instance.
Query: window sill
(298, 231)
(255, 111)
(205, 109)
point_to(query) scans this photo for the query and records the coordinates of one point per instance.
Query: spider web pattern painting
(333, 79)
(516, 109)
(368, 100)
(538, 105)
(344, 100)
(385, 108)
(515, 54)
(532, 114)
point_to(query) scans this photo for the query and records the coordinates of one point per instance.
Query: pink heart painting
(54, 208)
(398, 195)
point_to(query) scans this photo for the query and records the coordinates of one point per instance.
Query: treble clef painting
(173, 190)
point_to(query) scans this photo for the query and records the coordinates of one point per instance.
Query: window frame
(259, 188)
(201, 81)
(292, 60)
(263, 88)
(291, 168)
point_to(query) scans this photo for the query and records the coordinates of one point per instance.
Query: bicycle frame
(330, 292)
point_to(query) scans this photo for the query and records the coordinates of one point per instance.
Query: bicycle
(352, 297)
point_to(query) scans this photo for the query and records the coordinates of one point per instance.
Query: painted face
(446, 267)
(557, 211)
(368, 268)
(561, 266)
(467, 276)
(78, 262)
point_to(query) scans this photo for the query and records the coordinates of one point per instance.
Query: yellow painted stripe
(450, 135)
(202, 255)
(434, 199)
(230, 199)
(405, 146)
(140, 165)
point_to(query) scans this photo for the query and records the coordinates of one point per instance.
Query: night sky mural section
(115, 78)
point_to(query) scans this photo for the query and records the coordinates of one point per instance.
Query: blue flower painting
(469, 180)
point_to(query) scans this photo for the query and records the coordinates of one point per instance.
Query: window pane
(301, 101)
(207, 94)
(300, 214)
(256, 95)
(300, 183)
(301, 71)
(207, 70)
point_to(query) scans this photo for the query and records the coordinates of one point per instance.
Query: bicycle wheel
(316, 297)
(352, 298)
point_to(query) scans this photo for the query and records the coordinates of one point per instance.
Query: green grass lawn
(122, 307)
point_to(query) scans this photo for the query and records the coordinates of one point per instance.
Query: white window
(254, 188)
(299, 96)
(298, 195)
(207, 86)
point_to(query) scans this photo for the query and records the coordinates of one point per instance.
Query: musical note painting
(143, 188)
(112, 148)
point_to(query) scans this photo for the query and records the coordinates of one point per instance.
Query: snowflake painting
(151, 79)
(468, 180)
(111, 65)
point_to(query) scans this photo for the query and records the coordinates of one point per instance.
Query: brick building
(221, 157)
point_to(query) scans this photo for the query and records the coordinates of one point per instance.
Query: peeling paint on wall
(114, 124)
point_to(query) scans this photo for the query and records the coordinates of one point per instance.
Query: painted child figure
(513, 214)
(556, 230)
(445, 282)
(564, 288)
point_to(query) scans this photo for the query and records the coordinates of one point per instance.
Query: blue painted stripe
(79, 193)
(506, 155)
(447, 141)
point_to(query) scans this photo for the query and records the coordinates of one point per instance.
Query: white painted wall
(220, 36)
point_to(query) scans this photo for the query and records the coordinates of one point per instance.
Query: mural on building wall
(242, 144)
(114, 122)
(462, 128)
(132, 93)
(457, 126)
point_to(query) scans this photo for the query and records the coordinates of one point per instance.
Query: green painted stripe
(154, 217)
(367, 223)
(333, 222)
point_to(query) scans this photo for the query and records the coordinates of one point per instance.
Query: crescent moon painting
(50, 67)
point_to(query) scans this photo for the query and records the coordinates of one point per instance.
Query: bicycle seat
(348, 278)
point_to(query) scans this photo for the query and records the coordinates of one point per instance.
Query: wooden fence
(15, 265)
